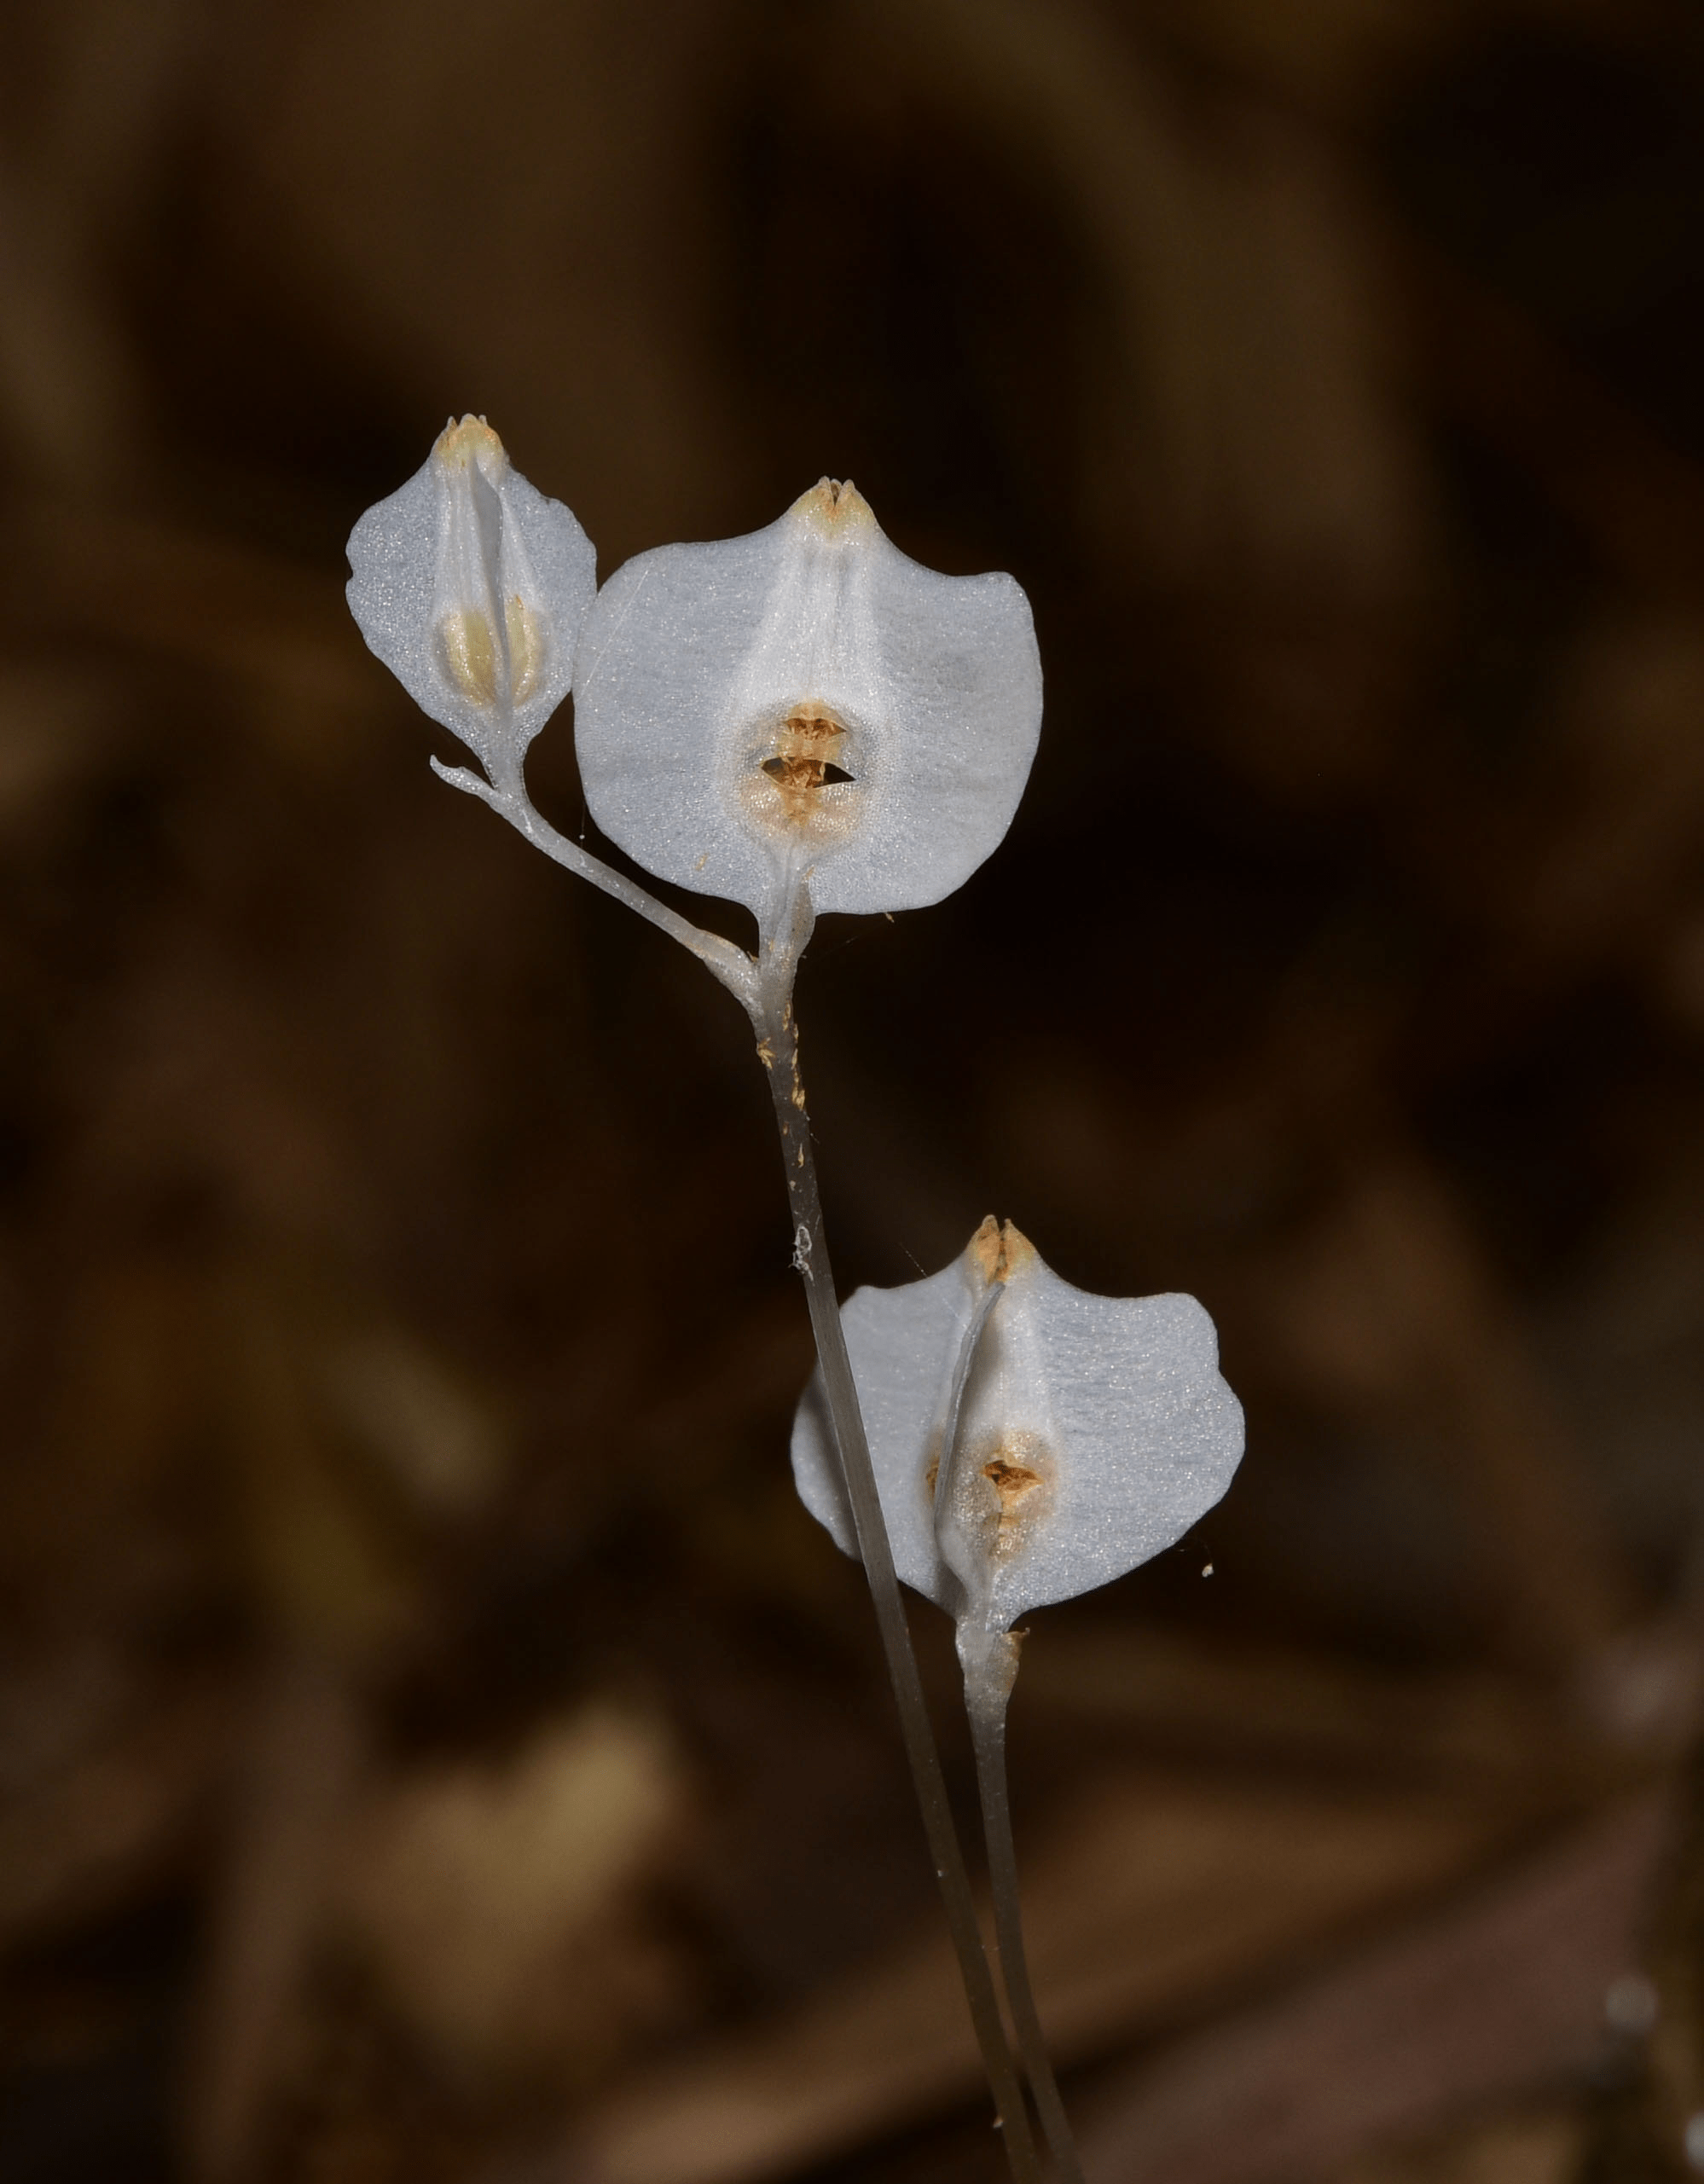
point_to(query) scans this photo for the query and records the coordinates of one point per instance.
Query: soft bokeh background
(433, 1743)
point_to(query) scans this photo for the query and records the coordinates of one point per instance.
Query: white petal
(473, 587)
(717, 680)
(1143, 1432)
(904, 1345)
(1094, 1432)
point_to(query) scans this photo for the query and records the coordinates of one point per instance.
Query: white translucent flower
(1090, 1432)
(473, 587)
(807, 705)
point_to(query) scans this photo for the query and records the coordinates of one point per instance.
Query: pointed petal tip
(835, 507)
(471, 441)
(984, 1249)
(1000, 1251)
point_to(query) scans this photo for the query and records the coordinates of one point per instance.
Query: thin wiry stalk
(730, 964)
(777, 1051)
(985, 1702)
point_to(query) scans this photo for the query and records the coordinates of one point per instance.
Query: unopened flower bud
(473, 587)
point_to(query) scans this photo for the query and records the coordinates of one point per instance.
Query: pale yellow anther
(468, 647)
(526, 648)
(471, 586)
(487, 663)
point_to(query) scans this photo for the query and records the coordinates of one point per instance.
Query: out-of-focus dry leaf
(1158, 1892)
(592, 284)
(300, 1759)
(67, 391)
(1496, 1735)
(350, 1438)
(499, 1905)
(1605, 874)
(108, 84)
(1636, 495)
(1334, 53)
(441, 1442)
(1388, 1299)
(1241, 418)
(335, 1570)
(99, 1788)
(1541, 2147)
(275, 633)
(56, 728)
(1503, 1997)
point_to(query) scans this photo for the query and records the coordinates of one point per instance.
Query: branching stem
(763, 988)
(731, 965)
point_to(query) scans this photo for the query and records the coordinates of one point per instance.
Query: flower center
(803, 763)
(1013, 1483)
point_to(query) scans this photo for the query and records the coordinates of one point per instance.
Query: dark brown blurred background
(433, 1743)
